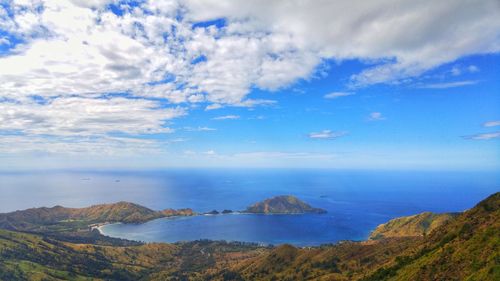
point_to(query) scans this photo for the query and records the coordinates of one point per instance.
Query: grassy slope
(464, 249)
(61, 219)
(416, 225)
(344, 261)
(97, 213)
(53, 258)
(35, 257)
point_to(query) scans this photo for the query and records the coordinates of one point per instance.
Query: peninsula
(59, 218)
(463, 248)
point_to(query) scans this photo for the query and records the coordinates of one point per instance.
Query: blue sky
(118, 84)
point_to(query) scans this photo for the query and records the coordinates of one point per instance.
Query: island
(283, 204)
(213, 212)
(40, 244)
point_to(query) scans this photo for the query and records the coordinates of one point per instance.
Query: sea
(356, 200)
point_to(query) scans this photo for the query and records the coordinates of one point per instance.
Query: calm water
(356, 201)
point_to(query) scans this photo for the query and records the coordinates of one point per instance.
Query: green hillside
(464, 248)
(467, 248)
(416, 225)
(63, 219)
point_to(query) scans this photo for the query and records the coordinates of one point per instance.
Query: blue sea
(356, 201)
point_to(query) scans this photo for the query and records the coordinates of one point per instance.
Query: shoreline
(99, 226)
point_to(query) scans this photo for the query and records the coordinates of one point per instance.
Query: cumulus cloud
(327, 134)
(226, 117)
(86, 116)
(81, 47)
(335, 95)
(408, 37)
(4, 41)
(73, 53)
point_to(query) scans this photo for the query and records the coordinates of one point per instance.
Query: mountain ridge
(464, 248)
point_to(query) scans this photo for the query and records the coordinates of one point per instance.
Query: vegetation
(417, 225)
(284, 204)
(60, 219)
(464, 248)
(468, 248)
(35, 257)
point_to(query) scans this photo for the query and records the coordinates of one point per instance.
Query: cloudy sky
(188, 83)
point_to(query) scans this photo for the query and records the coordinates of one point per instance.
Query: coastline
(99, 226)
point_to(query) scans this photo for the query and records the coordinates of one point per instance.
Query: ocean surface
(356, 201)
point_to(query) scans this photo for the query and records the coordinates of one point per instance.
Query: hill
(284, 204)
(416, 225)
(63, 219)
(465, 248)
(35, 257)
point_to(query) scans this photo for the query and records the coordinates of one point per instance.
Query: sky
(231, 83)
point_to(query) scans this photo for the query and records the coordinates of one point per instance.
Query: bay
(356, 201)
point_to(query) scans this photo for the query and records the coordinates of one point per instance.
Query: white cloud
(284, 155)
(86, 116)
(335, 95)
(376, 116)
(455, 71)
(458, 70)
(74, 52)
(485, 136)
(96, 146)
(255, 102)
(4, 41)
(189, 152)
(492, 123)
(210, 152)
(473, 68)
(327, 134)
(73, 49)
(408, 37)
(258, 117)
(449, 84)
(213, 106)
(227, 117)
(199, 129)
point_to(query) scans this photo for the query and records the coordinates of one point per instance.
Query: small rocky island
(284, 204)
